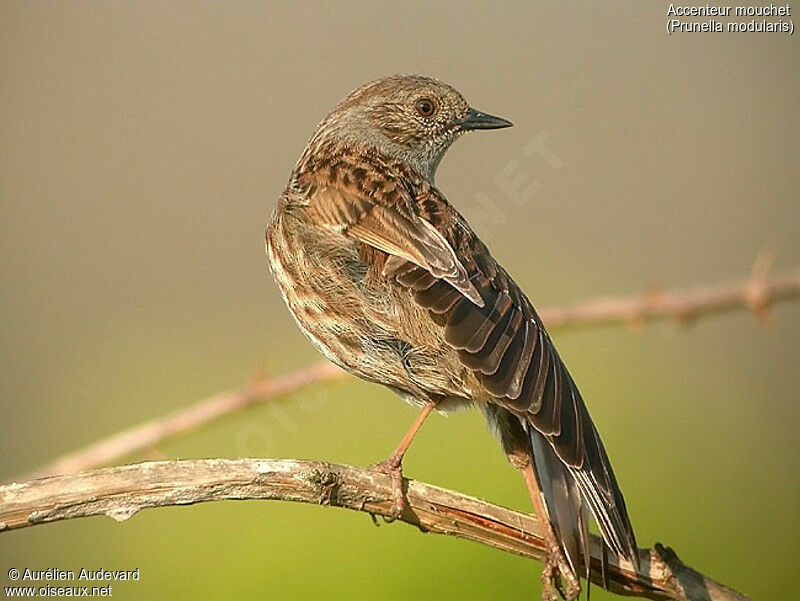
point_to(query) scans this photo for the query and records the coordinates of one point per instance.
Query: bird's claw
(558, 578)
(394, 469)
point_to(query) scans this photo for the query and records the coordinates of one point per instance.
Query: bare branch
(755, 294)
(120, 492)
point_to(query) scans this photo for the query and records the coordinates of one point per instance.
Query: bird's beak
(478, 120)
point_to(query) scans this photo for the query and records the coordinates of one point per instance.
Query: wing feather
(406, 236)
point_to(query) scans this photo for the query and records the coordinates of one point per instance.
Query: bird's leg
(557, 566)
(393, 464)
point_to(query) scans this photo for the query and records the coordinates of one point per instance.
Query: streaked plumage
(390, 282)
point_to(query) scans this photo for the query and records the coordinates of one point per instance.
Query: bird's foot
(394, 469)
(558, 578)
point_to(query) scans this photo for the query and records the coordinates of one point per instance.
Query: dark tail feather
(571, 497)
(569, 515)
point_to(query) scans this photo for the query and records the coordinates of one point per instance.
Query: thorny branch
(756, 294)
(120, 492)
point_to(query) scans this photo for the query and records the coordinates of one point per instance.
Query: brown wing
(504, 342)
(402, 235)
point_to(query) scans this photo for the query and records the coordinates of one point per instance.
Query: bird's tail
(568, 513)
(571, 494)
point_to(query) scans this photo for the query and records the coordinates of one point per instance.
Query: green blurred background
(143, 146)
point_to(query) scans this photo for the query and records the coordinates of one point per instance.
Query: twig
(755, 294)
(120, 492)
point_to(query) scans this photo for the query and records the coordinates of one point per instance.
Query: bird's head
(408, 117)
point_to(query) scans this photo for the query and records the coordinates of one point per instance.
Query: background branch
(755, 294)
(120, 492)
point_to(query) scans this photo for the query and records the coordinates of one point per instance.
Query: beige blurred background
(143, 146)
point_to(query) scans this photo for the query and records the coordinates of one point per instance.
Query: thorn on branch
(756, 293)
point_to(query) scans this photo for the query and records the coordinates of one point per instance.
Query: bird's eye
(425, 107)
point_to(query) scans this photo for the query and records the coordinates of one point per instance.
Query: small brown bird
(390, 283)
